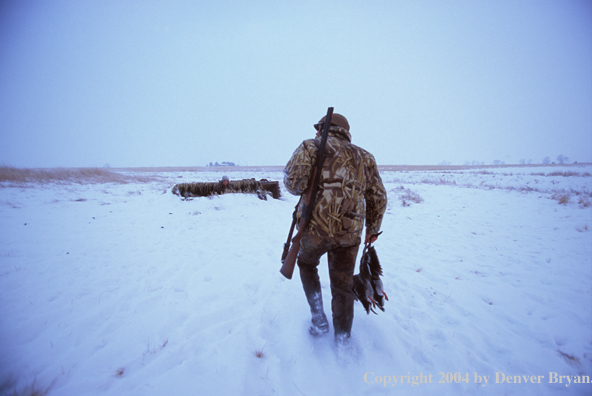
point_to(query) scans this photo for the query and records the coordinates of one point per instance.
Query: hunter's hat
(336, 119)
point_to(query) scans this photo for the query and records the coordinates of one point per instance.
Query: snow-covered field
(126, 289)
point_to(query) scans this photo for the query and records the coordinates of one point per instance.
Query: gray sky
(183, 83)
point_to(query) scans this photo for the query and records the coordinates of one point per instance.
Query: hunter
(222, 187)
(350, 191)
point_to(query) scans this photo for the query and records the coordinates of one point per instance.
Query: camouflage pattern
(350, 192)
(222, 189)
(350, 189)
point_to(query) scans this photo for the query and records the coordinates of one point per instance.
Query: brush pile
(245, 186)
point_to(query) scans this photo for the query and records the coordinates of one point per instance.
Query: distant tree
(562, 159)
(498, 162)
(211, 164)
(445, 163)
(546, 160)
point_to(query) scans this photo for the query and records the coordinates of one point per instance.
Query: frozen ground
(125, 289)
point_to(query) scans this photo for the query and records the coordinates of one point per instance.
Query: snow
(126, 289)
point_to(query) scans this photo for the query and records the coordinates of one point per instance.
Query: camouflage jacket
(350, 188)
(222, 189)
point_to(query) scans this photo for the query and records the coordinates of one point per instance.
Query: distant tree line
(561, 159)
(222, 164)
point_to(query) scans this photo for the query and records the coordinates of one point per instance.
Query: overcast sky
(185, 83)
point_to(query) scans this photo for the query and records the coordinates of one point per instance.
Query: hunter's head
(225, 180)
(336, 120)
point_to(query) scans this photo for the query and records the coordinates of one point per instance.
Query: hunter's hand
(371, 238)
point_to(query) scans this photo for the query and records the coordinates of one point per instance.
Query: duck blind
(261, 187)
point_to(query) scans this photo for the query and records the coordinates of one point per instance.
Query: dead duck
(379, 295)
(363, 288)
(363, 292)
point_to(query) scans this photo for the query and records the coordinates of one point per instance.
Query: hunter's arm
(375, 196)
(297, 171)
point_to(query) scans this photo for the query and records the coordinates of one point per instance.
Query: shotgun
(309, 202)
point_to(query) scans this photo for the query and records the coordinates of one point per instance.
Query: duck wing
(363, 291)
(379, 295)
(374, 263)
(362, 288)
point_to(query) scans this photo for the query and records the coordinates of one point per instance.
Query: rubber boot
(341, 267)
(312, 289)
(343, 316)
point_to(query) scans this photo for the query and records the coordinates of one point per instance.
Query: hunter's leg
(311, 250)
(342, 263)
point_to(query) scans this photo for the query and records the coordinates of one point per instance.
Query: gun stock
(289, 263)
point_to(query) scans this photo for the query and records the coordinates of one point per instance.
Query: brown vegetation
(406, 196)
(9, 387)
(19, 176)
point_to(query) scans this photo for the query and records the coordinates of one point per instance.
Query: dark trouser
(342, 263)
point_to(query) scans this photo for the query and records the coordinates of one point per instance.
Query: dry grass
(259, 352)
(584, 202)
(220, 169)
(571, 359)
(407, 196)
(567, 174)
(9, 388)
(563, 199)
(156, 349)
(16, 176)
(439, 182)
